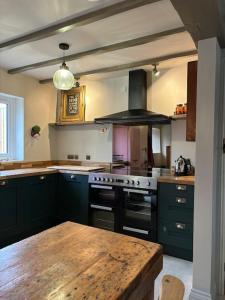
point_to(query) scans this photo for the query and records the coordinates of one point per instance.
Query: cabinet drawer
(43, 178)
(176, 207)
(177, 190)
(178, 234)
(73, 177)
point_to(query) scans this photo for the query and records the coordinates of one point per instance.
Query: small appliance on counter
(183, 166)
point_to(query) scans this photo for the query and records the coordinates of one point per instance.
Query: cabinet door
(73, 198)
(191, 101)
(8, 212)
(37, 206)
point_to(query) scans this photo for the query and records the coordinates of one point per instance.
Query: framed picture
(71, 105)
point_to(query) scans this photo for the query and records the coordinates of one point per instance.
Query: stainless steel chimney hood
(137, 113)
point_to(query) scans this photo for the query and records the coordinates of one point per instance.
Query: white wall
(106, 96)
(103, 97)
(208, 175)
(168, 90)
(39, 109)
(179, 145)
(83, 140)
(165, 92)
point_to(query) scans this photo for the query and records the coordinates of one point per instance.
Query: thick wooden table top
(187, 180)
(72, 261)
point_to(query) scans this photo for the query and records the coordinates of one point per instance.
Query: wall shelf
(179, 117)
(73, 124)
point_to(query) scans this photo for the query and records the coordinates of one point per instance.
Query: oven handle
(101, 207)
(136, 191)
(102, 187)
(135, 230)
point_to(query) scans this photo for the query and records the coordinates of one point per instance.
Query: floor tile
(179, 268)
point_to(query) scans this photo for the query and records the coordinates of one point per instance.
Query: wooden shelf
(179, 117)
(73, 124)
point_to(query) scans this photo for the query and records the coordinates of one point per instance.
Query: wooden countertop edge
(188, 180)
(18, 173)
(42, 171)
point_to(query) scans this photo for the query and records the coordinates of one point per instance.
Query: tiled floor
(179, 268)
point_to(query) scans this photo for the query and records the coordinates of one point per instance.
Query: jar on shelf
(179, 109)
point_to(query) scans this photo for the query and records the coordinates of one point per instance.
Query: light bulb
(63, 79)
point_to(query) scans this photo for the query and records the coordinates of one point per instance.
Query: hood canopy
(137, 113)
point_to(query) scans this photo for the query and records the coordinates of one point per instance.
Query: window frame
(12, 120)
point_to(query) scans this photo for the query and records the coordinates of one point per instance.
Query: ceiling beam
(75, 21)
(203, 18)
(131, 65)
(105, 49)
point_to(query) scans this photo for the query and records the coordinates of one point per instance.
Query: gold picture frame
(71, 105)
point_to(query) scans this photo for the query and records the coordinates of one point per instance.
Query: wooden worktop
(8, 174)
(73, 261)
(188, 180)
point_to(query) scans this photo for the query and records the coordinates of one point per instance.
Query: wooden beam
(76, 21)
(130, 65)
(202, 25)
(101, 50)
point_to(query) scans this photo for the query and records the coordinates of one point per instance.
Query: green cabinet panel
(37, 205)
(176, 234)
(8, 212)
(175, 219)
(73, 198)
(174, 204)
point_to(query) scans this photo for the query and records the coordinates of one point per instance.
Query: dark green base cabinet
(27, 206)
(73, 191)
(175, 219)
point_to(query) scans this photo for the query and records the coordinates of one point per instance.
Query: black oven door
(103, 207)
(139, 213)
(102, 217)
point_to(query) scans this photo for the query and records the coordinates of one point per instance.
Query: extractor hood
(137, 113)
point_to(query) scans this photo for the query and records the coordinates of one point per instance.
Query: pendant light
(63, 79)
(155, 71)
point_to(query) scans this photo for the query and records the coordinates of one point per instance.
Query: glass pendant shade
(63, 79)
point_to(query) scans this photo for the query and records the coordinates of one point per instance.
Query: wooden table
(72, 261)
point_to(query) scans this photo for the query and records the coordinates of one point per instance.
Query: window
(11, 127)
(156, 143)
(3, 128)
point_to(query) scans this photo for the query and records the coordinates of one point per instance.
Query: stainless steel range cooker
(125, 201)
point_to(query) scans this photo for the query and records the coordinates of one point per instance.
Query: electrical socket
(76, 156)
(70, 156)
(88, 157)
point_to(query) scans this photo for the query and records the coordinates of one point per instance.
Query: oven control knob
(102, 179)
(98, 178)
(132, 182)
(138, 182)
(149, 183)
(127, 181)
(111, 180)
(107, 179)
(94, 178)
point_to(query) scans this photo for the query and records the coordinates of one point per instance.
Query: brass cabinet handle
(72, 176)
(181, 200)
(164, 229)
(42, 177)
(180, 226)
(181, 187)
(3, 183)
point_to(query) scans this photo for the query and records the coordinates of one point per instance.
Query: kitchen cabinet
(36, 203)
(191, 101)
(27, 206)
(175, 219)
(8, 211)
(72, 201)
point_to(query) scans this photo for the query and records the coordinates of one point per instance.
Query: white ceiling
(17, 16)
